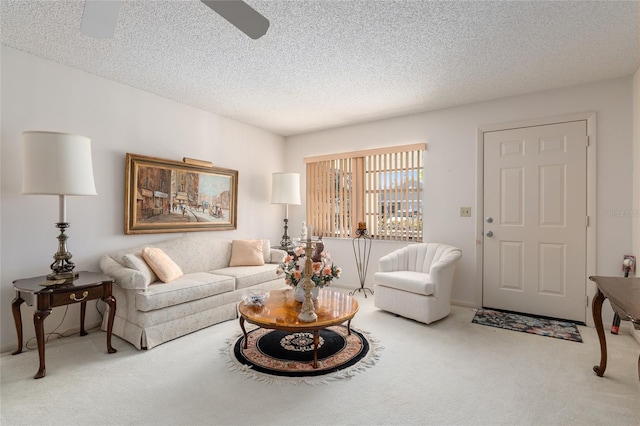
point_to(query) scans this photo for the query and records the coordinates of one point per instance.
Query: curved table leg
(243, 331)
(596, 309)
(38, 322)
(111, 301)
(17, 318)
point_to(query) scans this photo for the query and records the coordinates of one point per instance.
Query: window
(380, 187)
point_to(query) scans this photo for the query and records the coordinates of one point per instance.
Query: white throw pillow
(135, 261)
(246, 253)
(165, 268)
(266, 251)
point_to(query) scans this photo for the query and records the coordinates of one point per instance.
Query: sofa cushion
(135, 261)
(186, 288)
(247, 276)
(165, 268)
(246, 253)
(411, 281)
(197, 253)
(266, 251)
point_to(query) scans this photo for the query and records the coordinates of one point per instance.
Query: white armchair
(415, 281)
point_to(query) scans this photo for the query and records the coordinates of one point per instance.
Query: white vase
(298, 293)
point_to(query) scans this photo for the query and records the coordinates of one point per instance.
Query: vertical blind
(381, 187)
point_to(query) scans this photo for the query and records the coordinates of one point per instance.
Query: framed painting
(172, 196)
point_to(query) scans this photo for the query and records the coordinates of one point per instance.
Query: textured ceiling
(330, 63)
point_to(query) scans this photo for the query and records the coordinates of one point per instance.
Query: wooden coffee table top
(281, 310)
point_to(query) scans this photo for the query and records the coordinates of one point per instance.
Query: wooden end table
(88, 286)
(280, 312)
(624, 296)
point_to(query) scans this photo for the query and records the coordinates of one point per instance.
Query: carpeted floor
(527, 324)
(450, 372)
(280, 357)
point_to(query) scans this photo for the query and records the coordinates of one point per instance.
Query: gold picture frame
(172, 196)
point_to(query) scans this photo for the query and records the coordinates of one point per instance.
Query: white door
(535, 208)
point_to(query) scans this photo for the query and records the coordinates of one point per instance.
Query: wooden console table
(624, 296)
(88, 286)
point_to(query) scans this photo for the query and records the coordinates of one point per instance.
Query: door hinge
(587, 142)
(586, 301)
(586, 221)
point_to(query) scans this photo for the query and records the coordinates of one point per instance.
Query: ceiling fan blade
(241, 15)
(99, 18)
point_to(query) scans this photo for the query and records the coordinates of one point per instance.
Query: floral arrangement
(323, 269)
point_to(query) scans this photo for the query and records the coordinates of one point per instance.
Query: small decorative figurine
(317, 253)
(303, 232)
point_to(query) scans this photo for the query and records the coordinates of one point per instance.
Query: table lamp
(285, 189)
(58, 164)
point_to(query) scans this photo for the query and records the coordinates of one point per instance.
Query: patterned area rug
(281, 357)
(517, 322)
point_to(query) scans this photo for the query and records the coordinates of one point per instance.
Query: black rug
(517, 322)
(279, 356)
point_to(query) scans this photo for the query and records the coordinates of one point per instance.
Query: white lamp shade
(57, 164)
(285, 188)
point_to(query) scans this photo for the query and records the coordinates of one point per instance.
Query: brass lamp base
(62, 267)
(55, 278)
(286, 242)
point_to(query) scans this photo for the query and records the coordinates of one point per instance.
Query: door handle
(490, 234)
(489, 219)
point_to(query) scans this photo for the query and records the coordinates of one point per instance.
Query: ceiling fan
(100, 16)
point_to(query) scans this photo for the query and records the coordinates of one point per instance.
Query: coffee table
(280, 312)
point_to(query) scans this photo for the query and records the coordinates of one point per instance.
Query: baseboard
(635, 333)
(463, 304)
(627, 327)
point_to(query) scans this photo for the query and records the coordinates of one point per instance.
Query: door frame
(590, 118)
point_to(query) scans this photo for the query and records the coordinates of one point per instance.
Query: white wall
(636, 167)
(41, 95)
(636, 179)
(451, 173)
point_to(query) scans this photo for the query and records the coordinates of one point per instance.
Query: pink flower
(293, 266)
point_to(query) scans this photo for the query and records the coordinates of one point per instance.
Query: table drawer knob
(72, 296)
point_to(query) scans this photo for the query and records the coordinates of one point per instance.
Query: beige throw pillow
(246, 253)
(165, 268)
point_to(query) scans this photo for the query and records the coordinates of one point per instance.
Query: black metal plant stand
(361, 251)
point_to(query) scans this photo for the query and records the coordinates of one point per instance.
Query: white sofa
(150, 312)
(415, 281)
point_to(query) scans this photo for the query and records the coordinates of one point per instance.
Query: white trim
(463, 304)
(590, 118)
(479, 217)
(367, 152)
(635, 333)
(538, 122)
